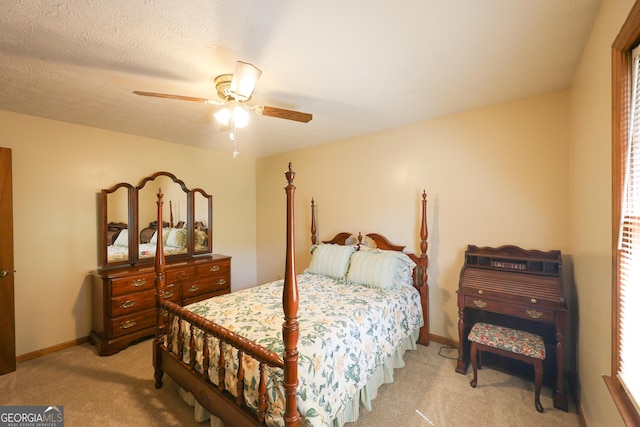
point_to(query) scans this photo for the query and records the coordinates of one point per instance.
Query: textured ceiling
(358, 66)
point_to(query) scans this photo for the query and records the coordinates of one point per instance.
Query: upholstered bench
(508, 342)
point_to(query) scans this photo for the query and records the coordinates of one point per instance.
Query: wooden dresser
(124, 298)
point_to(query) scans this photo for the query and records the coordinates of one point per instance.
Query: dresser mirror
(174, 209)
(201, 220)
(128, 226)
(115, 223)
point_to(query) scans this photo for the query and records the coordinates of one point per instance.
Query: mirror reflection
(202, 219)
(174, 233)
(117, 212)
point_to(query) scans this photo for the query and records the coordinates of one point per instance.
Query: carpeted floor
(118, 391)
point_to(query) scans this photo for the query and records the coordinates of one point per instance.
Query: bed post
(424, 280)
(313, 222)
(160, 281)
(290, 305)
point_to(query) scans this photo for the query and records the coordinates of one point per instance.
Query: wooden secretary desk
(517, 288)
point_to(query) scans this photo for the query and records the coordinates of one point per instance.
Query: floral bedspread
(346, 332)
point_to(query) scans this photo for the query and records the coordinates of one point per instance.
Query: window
(624, 382)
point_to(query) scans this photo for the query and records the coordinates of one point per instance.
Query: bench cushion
(512, 340)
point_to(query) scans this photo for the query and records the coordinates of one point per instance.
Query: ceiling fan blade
(178, 97)
(284, 114)
(244, 80)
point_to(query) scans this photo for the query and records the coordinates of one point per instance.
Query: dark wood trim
(627, 39)
(629, 413)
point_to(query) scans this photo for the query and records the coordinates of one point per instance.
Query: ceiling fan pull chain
(232, 136)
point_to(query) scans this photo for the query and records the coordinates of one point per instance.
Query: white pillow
(177, 238)
(331, 260)
(123, 238)
(165, 235)
(381, 269)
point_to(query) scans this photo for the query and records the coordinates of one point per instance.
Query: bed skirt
(351, 412)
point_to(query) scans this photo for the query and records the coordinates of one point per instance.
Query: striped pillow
(381, 269)
(331, 260)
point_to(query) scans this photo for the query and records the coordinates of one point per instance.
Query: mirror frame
(134, 226)
(103, 229)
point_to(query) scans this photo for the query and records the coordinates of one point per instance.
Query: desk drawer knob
(534, 301)
(479, 303)
(480, 292)
(214, 268)
(534, 314)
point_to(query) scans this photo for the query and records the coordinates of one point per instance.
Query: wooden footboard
(167, 359)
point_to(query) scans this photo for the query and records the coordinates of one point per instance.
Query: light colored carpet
(118, 391)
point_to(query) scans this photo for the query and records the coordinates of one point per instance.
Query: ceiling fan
(234, 91)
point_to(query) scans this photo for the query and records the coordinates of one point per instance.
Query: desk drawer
(524, 312)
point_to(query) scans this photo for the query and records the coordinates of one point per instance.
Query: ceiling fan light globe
(223, 116)
(240, 117)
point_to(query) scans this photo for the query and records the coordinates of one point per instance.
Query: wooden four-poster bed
(239, 365)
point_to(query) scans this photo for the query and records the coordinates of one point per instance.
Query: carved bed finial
(313, 222)
(290, 174)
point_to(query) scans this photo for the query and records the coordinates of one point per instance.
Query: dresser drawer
(181, 274)
(132, 323)
(190, 290)
(125, 285)
(172, 292)
(523, 312)
(132, 303)
(218, 268)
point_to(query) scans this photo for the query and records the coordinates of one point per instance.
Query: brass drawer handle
(480, 292)
(479, 303)
(193, 288)
(128, 324)
(221, 282)
(534, 314)
(127, 304)
(168, 294)
(214, 268)
(534, 301)
(139, 282)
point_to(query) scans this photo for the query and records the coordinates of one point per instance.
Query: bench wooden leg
(473, 355)
(537, 366)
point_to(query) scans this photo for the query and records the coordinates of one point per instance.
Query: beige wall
(57, 170)
(534, 173)
(590, 212)
(493, 176)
